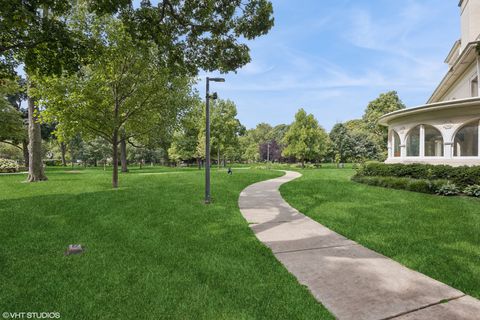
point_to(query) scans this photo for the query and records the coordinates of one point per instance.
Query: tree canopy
(385, 103)
(125, 91)
(305, 139)
(12, 129)
(189, 35)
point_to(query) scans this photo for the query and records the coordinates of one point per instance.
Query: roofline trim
(464, 53)
(427, 107)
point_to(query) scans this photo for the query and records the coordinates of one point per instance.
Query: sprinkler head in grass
(74, 249)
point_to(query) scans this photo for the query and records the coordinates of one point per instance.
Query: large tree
(189, 36)
(126, 93)
(37, 35)
(225, 130)
(342, 144)
(385, 103)
(305, 139)
(185, 137)
(351, 142)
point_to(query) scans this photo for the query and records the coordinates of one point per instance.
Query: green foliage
(37, 33)
(225, 127)
(185, 137)
(126, 93)
(253, 139)
(8, 166)
(173, 249)
(364, 139)
(11, 119)
(96, 150)
(472, 191)
(350, 143)
(437, 236)
(190, 36)
(9, 151)
(385, 103)
(305, 139)
(448, 189)
(195, 35)
(461, 176)
(409, 184)
(250, 150)
(225, 130)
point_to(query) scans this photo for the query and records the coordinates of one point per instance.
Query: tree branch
(12, 144)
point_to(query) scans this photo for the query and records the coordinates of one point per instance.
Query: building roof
(468, 56)
(453, 51)
(386, 119)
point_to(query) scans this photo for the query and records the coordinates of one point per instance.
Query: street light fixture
(207, 136)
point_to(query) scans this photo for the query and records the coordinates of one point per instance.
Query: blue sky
(331, 57)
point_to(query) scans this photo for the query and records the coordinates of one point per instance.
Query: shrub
(448, 189)
(8, 166)
(424, 186)
(472, 191)
(416, 185)
(461, 176)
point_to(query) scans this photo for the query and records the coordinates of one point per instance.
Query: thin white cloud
(398, 51)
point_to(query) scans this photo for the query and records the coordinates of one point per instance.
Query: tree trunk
(115, 160)
(218, 158)
(72, 155)
(303, 163)
(63, 149)
(123, 153)
(26, 155)
(35, 164)
(224, 161)
(199, 162)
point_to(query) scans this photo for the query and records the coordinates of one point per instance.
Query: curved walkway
(350, 280)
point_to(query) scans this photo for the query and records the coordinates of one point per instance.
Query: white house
(446, 129)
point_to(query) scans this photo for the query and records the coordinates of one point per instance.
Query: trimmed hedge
(8, 166)
(460, 176)
(416, 185)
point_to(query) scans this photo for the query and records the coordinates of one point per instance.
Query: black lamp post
(207, 137)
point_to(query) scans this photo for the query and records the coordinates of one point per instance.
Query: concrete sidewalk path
(350, 280)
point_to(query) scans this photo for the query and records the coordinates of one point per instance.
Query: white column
(403, 151)
(438, 148)
(391, 142)
(478, 149)
(448, 152)
(422, 141)
(478, 75)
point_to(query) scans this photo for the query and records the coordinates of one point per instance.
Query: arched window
(466, 141)
(396, 144)
(433, 142)
(413, 142)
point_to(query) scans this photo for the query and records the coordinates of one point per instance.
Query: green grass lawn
(154, 250)
(438, 236)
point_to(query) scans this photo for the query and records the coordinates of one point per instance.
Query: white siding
(462, 89)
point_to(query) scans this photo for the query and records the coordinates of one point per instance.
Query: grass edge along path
(437, 236)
